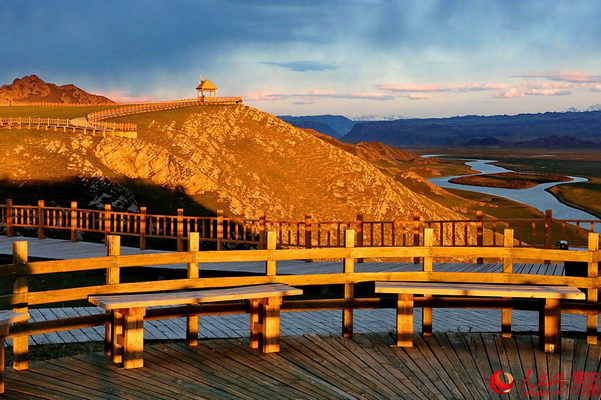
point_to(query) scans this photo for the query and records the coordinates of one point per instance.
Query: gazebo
(207, 88)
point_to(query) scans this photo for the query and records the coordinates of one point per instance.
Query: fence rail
(307, 233)
(160, 105)
(21, 271)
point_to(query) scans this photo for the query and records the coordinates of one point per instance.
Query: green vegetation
(510, 180)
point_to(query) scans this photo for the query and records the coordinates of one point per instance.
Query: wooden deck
(450, 365)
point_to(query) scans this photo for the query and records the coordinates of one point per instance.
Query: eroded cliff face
(248, 161)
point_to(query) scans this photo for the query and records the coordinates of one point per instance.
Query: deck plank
(445, 365)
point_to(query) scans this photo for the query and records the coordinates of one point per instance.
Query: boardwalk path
(300, 323)
(451, 365)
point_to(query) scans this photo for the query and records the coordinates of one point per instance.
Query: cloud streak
(301, 66)
(316, 94)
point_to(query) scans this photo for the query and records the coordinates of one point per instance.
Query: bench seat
(7, 318)
(127, 328)
(549, 318)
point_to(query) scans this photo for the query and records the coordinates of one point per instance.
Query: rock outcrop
(33, 89)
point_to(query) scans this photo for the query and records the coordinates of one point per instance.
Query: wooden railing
(70, 125)
(54, 104)
(22, 271)
(308, 233)
(160, 105)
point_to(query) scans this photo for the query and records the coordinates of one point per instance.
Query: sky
(378, 58)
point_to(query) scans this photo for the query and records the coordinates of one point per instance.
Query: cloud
(316, 94)
(547, 92)
(427, 87)
(565, 76)
(418, 96)
(302, 66)
(121, 96)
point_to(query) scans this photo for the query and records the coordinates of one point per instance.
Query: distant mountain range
(31, 89)
(331, 125)
(573, 129)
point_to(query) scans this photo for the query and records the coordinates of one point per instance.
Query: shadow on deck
(452, 365)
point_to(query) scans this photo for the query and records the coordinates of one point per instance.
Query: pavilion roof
(206, 85)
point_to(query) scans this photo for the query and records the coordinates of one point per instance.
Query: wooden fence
(160, 105)
(308, 233)
(22, 271)
(68, 125)
(54, 104)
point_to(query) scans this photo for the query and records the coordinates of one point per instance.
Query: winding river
(536, 196)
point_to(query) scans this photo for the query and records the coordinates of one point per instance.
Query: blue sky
(422, 58)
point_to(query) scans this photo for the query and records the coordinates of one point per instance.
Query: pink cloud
(418, 96)
(121, 96)
(548, 92)
(428, 87)
(316, 94)
(565, 76)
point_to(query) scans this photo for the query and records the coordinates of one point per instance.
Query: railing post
(359, 234)
(349, 287)
(9, 218)
(41, 219)
(20, 286)
(180, 229)
(192, 322)
(73, 214)
(270, 265)
(592, 294)
(308, 234)
(548, 229)
(219, 229)
(506, 313)
(480, 233)
(107, 223)
(113, 276)
(142, 228)
(428, 266)
(416, 226)
(262, 235)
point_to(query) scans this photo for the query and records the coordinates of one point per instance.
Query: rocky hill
(232, 157)
(375, 151)
(33, 89)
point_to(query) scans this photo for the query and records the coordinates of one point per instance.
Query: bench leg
(404, 320)
(506, 317)
(133, 337)
(265, 324)
(116, 337)
(427, 319)
(550, 326)
(192, 331)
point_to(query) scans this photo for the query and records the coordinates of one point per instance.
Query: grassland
(510, 180)
(584, 163)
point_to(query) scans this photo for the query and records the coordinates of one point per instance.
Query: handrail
(307, 233)
(22, 298)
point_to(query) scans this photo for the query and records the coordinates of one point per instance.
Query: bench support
(404, 320)
(265, 324)
(550, 326)
(128, 337)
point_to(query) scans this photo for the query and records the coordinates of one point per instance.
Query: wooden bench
(7, 318)
(127, 328)
(549, 316)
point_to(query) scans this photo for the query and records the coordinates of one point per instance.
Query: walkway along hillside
(94, 122)
(307, 233)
